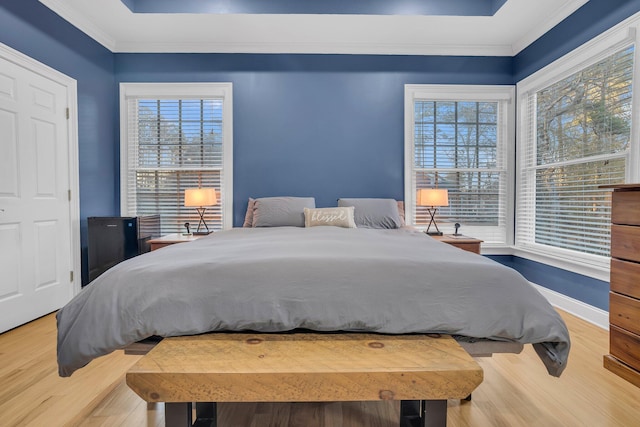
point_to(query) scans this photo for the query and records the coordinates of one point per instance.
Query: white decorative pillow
(337, 217)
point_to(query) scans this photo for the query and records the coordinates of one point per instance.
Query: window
(575, 136)
(458, 138)
(174, 137)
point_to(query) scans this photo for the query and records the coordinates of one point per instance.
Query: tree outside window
(582, 128)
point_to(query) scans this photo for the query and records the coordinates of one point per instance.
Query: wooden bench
(421, 371)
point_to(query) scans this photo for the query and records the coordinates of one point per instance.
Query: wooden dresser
(624, 298)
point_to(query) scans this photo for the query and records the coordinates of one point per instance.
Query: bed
(323, 278)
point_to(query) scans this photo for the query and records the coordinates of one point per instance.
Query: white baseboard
(579, 309)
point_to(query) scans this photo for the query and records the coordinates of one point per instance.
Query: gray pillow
(248, 216)
(374, 213)
(281, 211)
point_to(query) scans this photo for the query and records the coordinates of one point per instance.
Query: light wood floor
(516, 391)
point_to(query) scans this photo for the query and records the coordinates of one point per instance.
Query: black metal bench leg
(423, 413)
(410, 413)
(434, 413)
(181, 414)
(178, 414)
(206, 414)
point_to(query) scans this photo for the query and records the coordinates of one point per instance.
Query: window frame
(181, 91)
(596, 50)
(463, 93)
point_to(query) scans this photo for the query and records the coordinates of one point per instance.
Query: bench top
(304, 367)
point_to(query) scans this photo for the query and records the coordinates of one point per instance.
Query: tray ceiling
(400, 27)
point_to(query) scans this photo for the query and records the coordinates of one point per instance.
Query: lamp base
(201, 233)
(434, 233)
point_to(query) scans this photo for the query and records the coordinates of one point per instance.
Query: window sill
(575, 266)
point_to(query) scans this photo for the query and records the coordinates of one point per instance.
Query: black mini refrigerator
(112, 239)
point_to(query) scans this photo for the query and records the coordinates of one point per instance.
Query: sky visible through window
(456, 147)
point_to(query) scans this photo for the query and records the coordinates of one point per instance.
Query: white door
(35, 225)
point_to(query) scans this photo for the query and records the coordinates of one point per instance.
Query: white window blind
(173, 143)
(576, 137)
(461, 144)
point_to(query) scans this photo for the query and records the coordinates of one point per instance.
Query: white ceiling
(516, 25)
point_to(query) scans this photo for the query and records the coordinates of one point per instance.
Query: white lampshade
(433, 197)
(200, 197)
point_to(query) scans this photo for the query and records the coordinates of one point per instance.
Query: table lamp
(200, 198)
(433, 198)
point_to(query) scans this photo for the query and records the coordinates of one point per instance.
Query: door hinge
(71, 276)
(68, 114)
(69, 194)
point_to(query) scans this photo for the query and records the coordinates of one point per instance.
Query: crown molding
(81, 22)
(419, 49)
(551, 21)
(112, 42)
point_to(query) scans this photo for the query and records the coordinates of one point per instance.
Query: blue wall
(326, 126)
(360, 7)
(586, 289)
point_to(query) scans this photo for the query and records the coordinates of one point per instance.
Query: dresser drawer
(625, 277)
(624, 312)
(625, 242)
(625, 346)
(625, 206)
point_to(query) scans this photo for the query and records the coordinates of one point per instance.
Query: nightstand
(463, 242)
(171, 239)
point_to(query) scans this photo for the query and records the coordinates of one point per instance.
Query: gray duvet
(319, 278)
